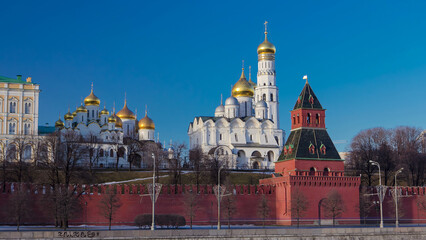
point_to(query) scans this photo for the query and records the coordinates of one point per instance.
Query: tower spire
(266, 29)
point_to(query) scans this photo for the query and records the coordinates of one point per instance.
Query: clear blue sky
(366, 60)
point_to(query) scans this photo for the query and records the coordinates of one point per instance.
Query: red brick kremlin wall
(247, 201)
(170, 201)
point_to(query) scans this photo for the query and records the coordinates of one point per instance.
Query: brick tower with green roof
(309, 149)
(310, 167)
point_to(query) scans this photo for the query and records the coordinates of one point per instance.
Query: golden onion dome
(92, 100)
(74, 113)
(146, 123)
(68, 116)
(59, 123)
(266, 47)
(125, 113)
(242, 88)
(104, 111)
(81, 109)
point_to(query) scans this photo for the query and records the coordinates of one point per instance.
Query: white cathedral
(106, 130)
(246, 130)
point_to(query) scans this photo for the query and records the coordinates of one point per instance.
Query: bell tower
(266, 88)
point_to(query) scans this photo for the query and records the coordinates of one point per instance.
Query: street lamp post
(153, 195)
(218, 197)
(396, 198)
(381, 192)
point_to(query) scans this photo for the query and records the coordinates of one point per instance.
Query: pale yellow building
(19, 101)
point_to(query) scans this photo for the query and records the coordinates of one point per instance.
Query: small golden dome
(81, 109)
(68, 116)
(74, 113)
(111, 119)
(104, 111)
(118, 122)
(146, 123)
(242, 88)
(92, 100)
(125, 113)
(59, 123)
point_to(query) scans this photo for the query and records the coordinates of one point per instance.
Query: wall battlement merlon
(139, 189)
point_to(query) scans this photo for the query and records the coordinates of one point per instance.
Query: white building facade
(245, 131)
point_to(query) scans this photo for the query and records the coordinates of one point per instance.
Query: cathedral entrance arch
(255, 165)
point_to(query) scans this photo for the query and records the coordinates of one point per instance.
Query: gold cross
(266, 27)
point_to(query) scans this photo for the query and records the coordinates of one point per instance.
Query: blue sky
(365, 59)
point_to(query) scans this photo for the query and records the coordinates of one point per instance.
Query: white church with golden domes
(99, 126)
(245, 131)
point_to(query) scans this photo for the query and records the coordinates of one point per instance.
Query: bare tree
(263, 209)
(191, 205)
(197, 160)
(150, 148)
(19, 154)
(118, 148)
(365, 147)
(4, 163)
(408, 152)
(18, 206)
(133, 149)
(93, 149)
(365, 204)
(334, 205)
(299, 205)
(109, 204)
(176, 160)
(66, 149)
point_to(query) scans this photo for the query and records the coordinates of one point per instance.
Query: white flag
(305, 77)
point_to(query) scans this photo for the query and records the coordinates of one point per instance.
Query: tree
(19, 155)
(18, 205)
(197, 160)
(149, 149)
(93, 149)
(4, 164)
(299, 205)
(408, 147)
(109, 204)
(133, 149)
(119, 150)
(176, 160)
(228, 202)
(365, 204)
(66, 149)
(365, 147)
(334, 205)
(213, 164)
(263, 209)
(191, 204)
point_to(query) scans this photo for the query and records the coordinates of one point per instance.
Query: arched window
(312, 171)
(27, 108)
(317, 118)
(220, 136)
(308, 118)
(264, 97)
(111, 153)
(272, 97)
(294, 119)
(251, 137)
(27, 152)
(26, 128)
(101, 152)
(12, 107)
(326, 171)
(266, 138)
(236, 137)
(298, 119)
(93, 113)
(12, 128)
